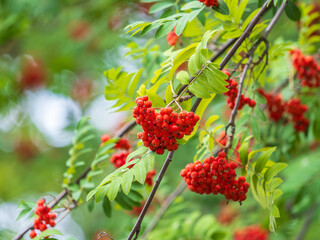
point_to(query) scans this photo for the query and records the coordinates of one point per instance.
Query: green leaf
(139, 171)
(126, 181)
(255, 128)
(194, 4)
(275, 211)
(113, 189)
(160, 6)
(140, 151)
(263, 158)
(276, 194)
(91, 194)
(243, 152)
(222, 8)
(101, 193)
(199, 90)
(164, 29)
(260, 114)
(106, 205)
(192, 65)
(46, 233)
(181, 25)
(183, 77)
(274, 170)
(292, 11)
(274, 183)
(211, 120)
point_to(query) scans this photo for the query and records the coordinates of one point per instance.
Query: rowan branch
(64, 193)
(250, 55)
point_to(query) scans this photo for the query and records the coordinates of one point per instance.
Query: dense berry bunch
(276, 106)
(277, 109)
(45, 217)
(172, 38)
(233, 93)
(296, 109)
(160, 130)
(119, 159)
(121, 144)
(308, 71)
(215, 175)
(210, 3)
(253, 232)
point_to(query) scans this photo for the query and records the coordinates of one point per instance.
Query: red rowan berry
(32, 234)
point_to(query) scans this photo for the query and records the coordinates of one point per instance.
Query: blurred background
(52, 58)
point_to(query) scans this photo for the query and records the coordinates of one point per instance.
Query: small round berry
(32, 234)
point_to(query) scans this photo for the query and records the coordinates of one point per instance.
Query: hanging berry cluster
(118, 159)
(295, 109)
(210, 3)
(233, 93)
(217, 176)
(276, 106)
(308, 71)
(45, 217)
(254, 232)
(160, 130)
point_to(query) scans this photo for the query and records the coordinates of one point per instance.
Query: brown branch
(250, 56)
(64, 193)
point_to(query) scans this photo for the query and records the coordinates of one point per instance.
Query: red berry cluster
(172, 37)
(215, 175)
(276, 106)
(233, 93)
(296, 109)
(160, 130)
(210, 3)
(119, 159)
(45, 217)
(254, 232)
(149, 178)
(121, 144)
(308, 70)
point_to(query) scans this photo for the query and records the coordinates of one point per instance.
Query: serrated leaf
(262, 160)
(222, 8)
(211, 120)
(91, 194)
(276, 194)
(194, 4)
(181, 25)
(183, 77)
(113, 189)
(160, 6)
(274, 183)
(198, 90)
(106, 205)
(101, 193)
(140, 151)
(192, 65)
(126, 181)
(164, 29)
(255, 128)
(139, 171)
(243, 152)
(260, 114)
(274, 170)
(275, 211)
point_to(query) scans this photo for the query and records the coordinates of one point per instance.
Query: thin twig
(64, 193)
